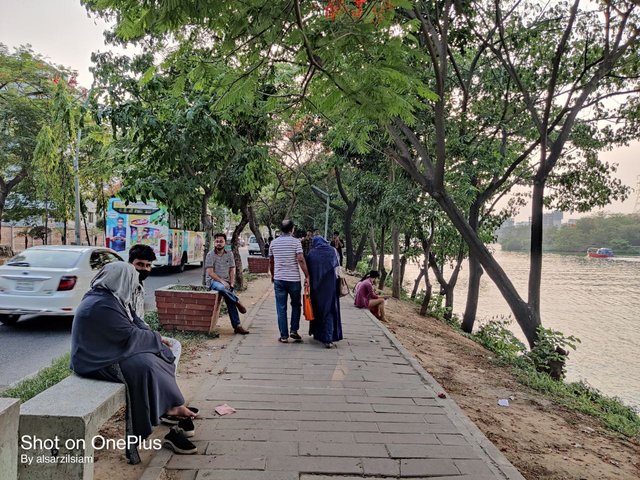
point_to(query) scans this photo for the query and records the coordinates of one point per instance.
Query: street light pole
(326, 215)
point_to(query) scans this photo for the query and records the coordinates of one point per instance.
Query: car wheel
(9, 319)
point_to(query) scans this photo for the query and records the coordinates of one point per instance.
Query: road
(34, 341)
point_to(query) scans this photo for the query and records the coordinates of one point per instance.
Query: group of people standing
(110, 340)
(320, 267)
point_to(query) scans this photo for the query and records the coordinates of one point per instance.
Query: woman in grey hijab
(109, 342)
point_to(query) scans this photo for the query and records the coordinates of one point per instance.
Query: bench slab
(58, 426)
(9, 417)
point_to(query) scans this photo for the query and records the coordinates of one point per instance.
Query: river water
(596, 300)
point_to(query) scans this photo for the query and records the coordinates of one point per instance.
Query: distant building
(552, 219)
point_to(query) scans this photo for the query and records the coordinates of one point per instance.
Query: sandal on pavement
(296, 337)
(173, 420)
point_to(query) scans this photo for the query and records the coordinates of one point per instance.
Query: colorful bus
(151, 224)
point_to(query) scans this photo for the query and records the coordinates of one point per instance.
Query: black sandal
(173, 420)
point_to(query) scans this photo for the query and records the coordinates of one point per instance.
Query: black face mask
(143, 274)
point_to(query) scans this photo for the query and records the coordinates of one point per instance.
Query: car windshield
(252, 239)
(45, 259)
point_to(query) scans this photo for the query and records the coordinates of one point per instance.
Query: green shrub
(496, 336)
(547, 355)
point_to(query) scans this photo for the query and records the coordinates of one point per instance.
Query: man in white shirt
(285, 262)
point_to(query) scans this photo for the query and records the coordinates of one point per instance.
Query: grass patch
(45, 378)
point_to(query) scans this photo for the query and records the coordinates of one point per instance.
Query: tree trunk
(374, 249)
(475, 272)
(348, 235)
(416, 284)
(86, 229)
(535, 260)
(207, 225)
(424, 307)
(381, 269)
(359, 251)
(236, 254)
(522, 313)
(395, 289)
(253, 226)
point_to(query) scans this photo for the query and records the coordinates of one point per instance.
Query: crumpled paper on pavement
(225, 409)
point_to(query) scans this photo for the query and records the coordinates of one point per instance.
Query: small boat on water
(595, 252)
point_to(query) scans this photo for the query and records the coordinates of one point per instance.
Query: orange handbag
(306, 304)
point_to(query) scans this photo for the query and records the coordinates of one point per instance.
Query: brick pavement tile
(413, 467)
(417, 428)
(430, 451)
(337, 426)
(340, 450)
(380, 400)
(252, 449)
(402, 438)
(184, 475)
(383, 408)
(386, 417)
(305, 476)
(317, 437)
(400, 392)
(277, 406)
(222, 462)
(381, 466)
(238, 424)
(331, 407)
(329, 415)
(338, 465)
(249, 435)
(473, 467)
(447, 439)
(245, 475)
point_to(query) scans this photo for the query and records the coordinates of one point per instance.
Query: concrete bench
(9, 416)
(59, 426)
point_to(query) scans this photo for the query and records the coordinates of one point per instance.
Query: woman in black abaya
(322, 262)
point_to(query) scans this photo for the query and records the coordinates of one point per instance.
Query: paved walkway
(365, 408)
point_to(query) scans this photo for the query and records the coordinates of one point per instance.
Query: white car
(254, 247)
(49, 280)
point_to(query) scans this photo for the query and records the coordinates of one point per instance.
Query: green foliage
(495, 335)
(618, 231)
(548, 349)
(45, 378)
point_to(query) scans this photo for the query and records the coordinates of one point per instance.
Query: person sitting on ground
(110, 342)
(221, 270)
(323, 264)
(366, 296)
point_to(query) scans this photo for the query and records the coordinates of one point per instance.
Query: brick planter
(258, 264)
(188, 310)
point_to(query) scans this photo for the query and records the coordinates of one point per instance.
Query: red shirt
(364, 294)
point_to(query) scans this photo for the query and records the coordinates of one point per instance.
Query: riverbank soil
(541, 439)
(195, 363)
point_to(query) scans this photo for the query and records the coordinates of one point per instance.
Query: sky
(63, 31)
